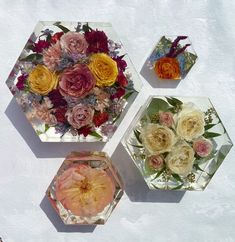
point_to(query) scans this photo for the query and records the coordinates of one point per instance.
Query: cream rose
(190, 123)
(180, 159)
(157, 139)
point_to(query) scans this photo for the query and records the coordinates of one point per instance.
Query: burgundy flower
(84, 130)
(60, 114)
(40, 46)
(100, 118)
(56, 37)
(76, 81)
(121, 79)
(119, 93)
(120, 63)
(56, 98)
(97, 41)
(21, 81)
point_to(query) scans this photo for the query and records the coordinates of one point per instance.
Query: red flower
(56, 37)
(60, 114)
(121, 63)
(97, 40)
(56, 98)
(40, 46)
(121, 79)
(21, 81)
(119, 93)
(100, 118)
(84, 130)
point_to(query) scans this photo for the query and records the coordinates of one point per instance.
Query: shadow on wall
(134, 184)
(43, 149)
(58, 223)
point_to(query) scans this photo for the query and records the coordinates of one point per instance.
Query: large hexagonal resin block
(74, 81)
(177, 143)
(86, 188)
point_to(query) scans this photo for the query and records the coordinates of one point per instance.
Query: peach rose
(167, 68)
(80, 116)
(202, 147)
(155, 162)
(76, 81)
(84, 190)
(166, 119)
(73, 43)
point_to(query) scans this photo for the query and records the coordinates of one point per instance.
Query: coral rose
(76, 81)
(41, 80)
(73, 43)
(80, 116)
(155, 162)
(202, 147)
(167, 68)
(104, 68)
(84, 190)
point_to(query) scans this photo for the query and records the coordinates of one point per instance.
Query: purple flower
(21, 81)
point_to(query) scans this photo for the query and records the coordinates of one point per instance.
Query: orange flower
(167, 68)
(84, 190)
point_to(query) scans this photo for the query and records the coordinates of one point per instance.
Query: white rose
(157, 139)
(190, 123)
(180, 159)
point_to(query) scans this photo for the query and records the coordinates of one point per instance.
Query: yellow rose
(104, 69)
(180, 159)
(190, 123)
(157, 139)
(42, 80)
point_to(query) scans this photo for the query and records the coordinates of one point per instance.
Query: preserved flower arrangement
(86, 188)
(73, 81)
(177, 143)
(172, 60)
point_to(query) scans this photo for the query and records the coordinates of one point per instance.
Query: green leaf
(64, 29)
(116, 118)
(178, 187)
(32, 57)
(209, 135)
(86, 28)
(95, 134)
(157, 105)
(197, 167)
(137, 135)
(177, 177)
(174, 101)
(127, 95)
(137, 146)
(209, 126)
(155, 186)
(46, 127)
(158, 174)
(38, 132)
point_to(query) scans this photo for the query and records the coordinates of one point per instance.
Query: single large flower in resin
(84, 190)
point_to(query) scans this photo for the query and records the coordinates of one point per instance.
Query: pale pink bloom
(166, 119)
(202, 147)
(73, 43)
(51, 56)
(84, 190)
(156, 162)
(76, 81)
(80, 116)
(103, 99)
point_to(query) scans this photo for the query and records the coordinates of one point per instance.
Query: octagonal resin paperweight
(172, 58)
(177, 143)
(74, 81)
(86, 188)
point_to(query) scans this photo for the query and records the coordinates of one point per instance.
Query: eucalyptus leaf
(209, 135)
(95, 134)
(157, 105)
(197, 167)
(209, 126)
(177, 177)
(137, 135)
(63, 28)
(116, 118)
(177, 187)
(137, 146)
(155, 186)
(127, 95)
(158, 174)
(174, 101)
(32, 57)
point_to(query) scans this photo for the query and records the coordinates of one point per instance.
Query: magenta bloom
(202, 147)
(98, 41)
(166, 119)
(56, 98)
(40, 46)
(76, 81)
(121, 63)
(21, 81)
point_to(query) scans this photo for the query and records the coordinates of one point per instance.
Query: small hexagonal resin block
(177, 143)
(172, 58)
(74, 81)
(86, 188)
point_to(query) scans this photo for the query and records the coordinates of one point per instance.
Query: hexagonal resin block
(74, 81)
(172, 58)
(86, 188)
(177, 143)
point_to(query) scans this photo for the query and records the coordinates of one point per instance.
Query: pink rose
(76, 81)
(166, 118)
(51, 56)
(202, 147)
(80, 116)
(156, 162)
(73, 43)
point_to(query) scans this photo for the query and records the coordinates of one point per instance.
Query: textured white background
(27, 166)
